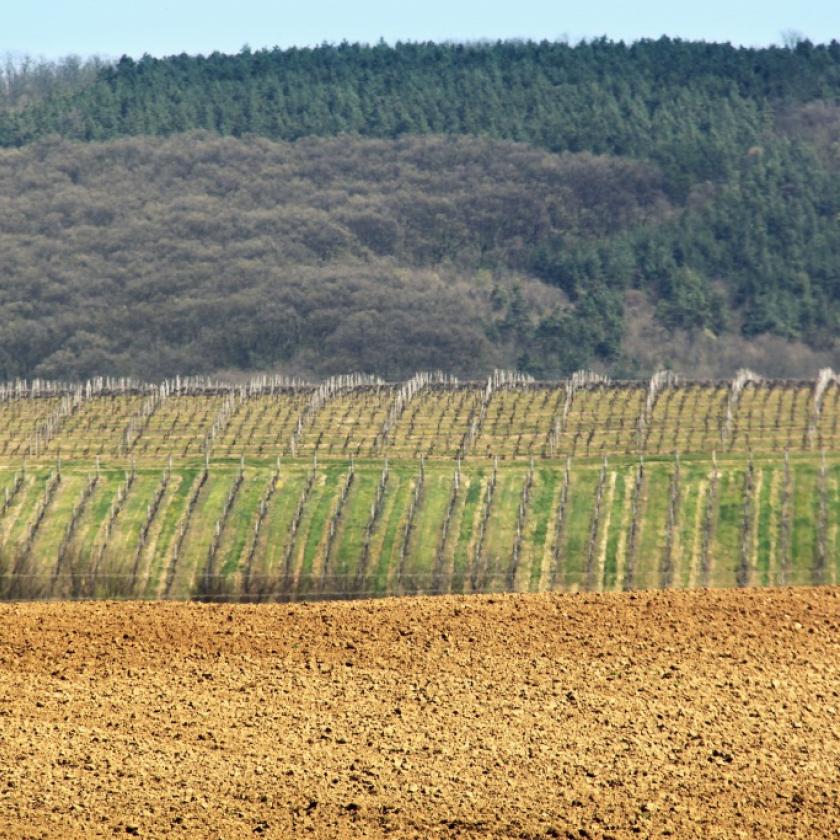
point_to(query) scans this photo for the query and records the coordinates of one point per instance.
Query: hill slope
(281, 493)
(194, 253)
(659, 201)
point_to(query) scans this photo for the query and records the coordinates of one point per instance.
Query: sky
(53, 28)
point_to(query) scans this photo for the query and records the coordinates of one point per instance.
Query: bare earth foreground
(688, 714)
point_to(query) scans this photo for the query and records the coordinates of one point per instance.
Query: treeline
(701, 179)
(691, 107)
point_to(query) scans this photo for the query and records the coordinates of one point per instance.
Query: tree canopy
(390, 207)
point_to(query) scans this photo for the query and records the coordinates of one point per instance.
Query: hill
(542, 206)
(676, 714)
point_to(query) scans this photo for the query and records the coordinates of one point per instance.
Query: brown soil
(687, 714)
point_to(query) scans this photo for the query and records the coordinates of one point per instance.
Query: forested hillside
(544, 206)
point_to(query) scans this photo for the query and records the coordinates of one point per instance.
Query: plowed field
(688, 714)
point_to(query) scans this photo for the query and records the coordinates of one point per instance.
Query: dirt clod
(658, 714)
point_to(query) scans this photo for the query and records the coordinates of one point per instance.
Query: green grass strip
(501, 528)
(804, 532)
(764, 535)
(172, 507)
(727, 543)
(240, 522)
(583, 484)
(546, 481)
(313, 526)
(391, 526)
(651, 543)
(623, 483)
(473, 480)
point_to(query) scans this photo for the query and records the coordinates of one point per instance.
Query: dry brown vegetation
(325, 255)
(708, 714)
(707, 355)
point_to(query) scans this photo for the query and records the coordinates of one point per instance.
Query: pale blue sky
(161, 27)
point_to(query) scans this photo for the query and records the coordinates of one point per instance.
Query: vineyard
(279, 490)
